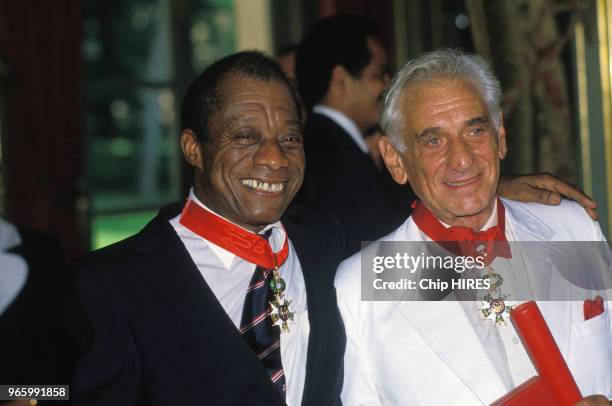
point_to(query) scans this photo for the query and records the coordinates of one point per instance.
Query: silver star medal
(496, 310)
(280, 313)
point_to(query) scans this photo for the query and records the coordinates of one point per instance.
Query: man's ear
(191, 148)
(393, 160)
(501, 139)
(338, 80)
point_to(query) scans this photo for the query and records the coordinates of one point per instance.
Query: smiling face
(452, 151)
(252, 164)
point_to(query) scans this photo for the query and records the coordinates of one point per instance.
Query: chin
(472, 209)
(264, 218)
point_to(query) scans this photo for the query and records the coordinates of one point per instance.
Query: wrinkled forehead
(238, 92)
(252, 105)
(235, 82)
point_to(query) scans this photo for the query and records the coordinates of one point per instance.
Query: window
(139, 56)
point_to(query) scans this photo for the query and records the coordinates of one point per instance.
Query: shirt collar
(276, 238)
(345, 122)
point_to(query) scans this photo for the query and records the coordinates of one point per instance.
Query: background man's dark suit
(342, 178)
(153, 332)
(35, 347)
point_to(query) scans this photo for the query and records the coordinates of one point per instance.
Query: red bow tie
(249, 246)
(464, 241)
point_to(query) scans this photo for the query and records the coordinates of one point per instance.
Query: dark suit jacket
(153, 332)
(35, 347)
(342, 179)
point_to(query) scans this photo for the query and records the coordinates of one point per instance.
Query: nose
(272, 155)
(460, 155)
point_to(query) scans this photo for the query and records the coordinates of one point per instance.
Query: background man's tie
(256, 326)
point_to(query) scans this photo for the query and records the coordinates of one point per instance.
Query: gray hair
(440, 64)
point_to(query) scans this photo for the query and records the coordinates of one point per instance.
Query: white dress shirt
(228, 276)
(502, 343)
(346, 123)
(13, 268)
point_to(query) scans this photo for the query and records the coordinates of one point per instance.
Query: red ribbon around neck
(248, 246)
(464, 240)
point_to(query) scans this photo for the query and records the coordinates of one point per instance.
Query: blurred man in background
(342, 71)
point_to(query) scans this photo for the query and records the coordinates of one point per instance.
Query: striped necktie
(257, 329)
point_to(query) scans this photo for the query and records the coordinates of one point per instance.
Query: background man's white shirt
(345, 122)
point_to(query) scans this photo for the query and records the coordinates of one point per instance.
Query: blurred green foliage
(108, 229)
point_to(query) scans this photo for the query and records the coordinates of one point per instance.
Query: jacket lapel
(172, 273)
(545, 264)
(461, 351)
(326, 339)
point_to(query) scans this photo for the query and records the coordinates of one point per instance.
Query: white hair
(440, 64)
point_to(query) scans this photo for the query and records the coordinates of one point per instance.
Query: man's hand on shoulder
(546, 189)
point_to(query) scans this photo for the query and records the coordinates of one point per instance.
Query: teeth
(457, 183)
(264, 186)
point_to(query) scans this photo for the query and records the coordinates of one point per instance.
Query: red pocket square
(593, 308)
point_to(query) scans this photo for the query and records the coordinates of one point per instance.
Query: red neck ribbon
(463, 240)
(251, 247)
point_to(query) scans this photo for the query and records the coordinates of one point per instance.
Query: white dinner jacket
(428, 353)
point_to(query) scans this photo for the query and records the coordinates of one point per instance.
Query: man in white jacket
(445, 135)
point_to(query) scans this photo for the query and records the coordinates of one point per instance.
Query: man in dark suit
(219, 300)
(35, 347)
(342, 71)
